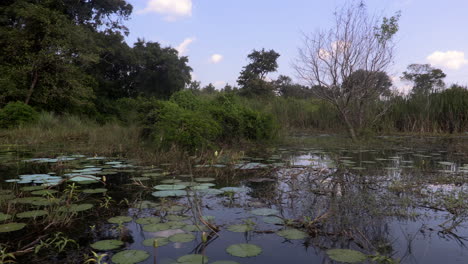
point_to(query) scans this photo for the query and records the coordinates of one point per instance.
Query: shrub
(16, 114)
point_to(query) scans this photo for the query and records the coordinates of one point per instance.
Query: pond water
(406, 203)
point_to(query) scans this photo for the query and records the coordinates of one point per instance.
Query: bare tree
(356, 42)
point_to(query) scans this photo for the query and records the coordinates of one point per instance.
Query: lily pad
(195, 228)
(130, 256)
(148, 220)
(44, 192)
(168, 181)
(182, 237)
(160, 241)
(10, 227)
(240, 228)
(119, 219)
(346, 255)
(193, 259)
(32, 214)
(174, 193)
(273, 220)
(4, 217)
(165, 187)
(292, 234)
(225, 262)
(176, 208)
(146, 205)
(244, 250)
(176, 224)
(206, 179)
(156, 227)
(110, 244)
(177, 217)
(32, 188)
(75, 208)
(92, 191)
(264, 211)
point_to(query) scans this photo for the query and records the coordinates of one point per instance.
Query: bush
(16, 114)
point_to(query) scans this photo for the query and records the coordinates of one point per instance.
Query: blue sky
(217, 35)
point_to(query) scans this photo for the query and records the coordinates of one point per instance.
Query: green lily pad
(182, 237)
(273, 220)
(167, 187)
(32, 188)
(244, 250)
(176, 208)
(148, 220)
(264, 211)
(10, 227)
(93, 191)
(29, 200)
(75, 208)
(176, 224)
(140, 179)
(44, 192)
(4, 217)
(193, 259)
(346, 255)
(119, 219)
(175, 193)
(225, 262)
(206, 179)
(146, 205)
(156, 227)
(160, 241)
(130, 256)
(169, 181)
(240, 228)
(32, 214)
(195, 228)
(292, 234)
(177, 217)
(110, 244)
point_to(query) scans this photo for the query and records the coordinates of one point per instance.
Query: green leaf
(160, 241)
(264, 211)
(119, 219)
(156, 227)
(32, 214)
(130, 256)
(346, 255)
(107, 244)
(193, 259)
(244, 250)
(10, 227)
(292, 234)
(182, 238)
(240, 228)
(148, 220)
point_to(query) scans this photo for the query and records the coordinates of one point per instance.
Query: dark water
(402, 202)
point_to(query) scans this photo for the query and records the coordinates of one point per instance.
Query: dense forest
(64, 58)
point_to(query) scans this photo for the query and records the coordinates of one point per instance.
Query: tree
(425, 78)
(252, 79)
(357, 42)
(209, 89)
(285, 87)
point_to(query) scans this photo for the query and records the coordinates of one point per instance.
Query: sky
(217, 35)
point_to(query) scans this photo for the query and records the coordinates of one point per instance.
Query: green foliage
(252, 77)
(17, 114)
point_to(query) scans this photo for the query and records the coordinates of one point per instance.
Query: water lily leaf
(193, 259)
(44, 192)
(164, 187)
(209, 192)
(176, 208)
(130, 256)
(225, 262)
(32, 214)
(75, 208)
(146, 205)
(29, 200)
(240, 228)
(168, 181)
(264, 211)
(200, 187)
(140, 179)
(206, 179)
(92, 191)
(273, 220)
(160, 241)
(174, 193)
(156, 227)
(4, 217)
(195, 228)
(119, 219)
(110, 244)
(148, 220)
(182, 238)
(175, 224)
(292, 234)
(346, 255)
(244, 250)
(10, 227)
(32, 188)
(177, 217)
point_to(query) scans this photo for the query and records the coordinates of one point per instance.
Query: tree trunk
(32, 87)
(351, 130)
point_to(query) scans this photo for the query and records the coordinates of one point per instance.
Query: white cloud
(451, 59)
(182, 48)
(215, 58)
(219, 84)
(171, 9)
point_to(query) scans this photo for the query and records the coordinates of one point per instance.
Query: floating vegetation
(292, 234)
(93, 191)
(4, 217)
(346, 255)
(264, 211)
(273, 220)
(156, 227)
(182, 238)
(148, 220)
(195, 228)
(119, 219)
(44, 192)
(130, 256)
(110, 244)
(174, 193)
(244, 250)
(205, 179)
(158, 241)
(193, 259)
(164, 187)
(11, 227)
(73, 208)
(177, 217)
(240, 228)
(32, 214)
